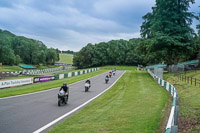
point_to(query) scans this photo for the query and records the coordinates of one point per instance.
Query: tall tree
(168, 27)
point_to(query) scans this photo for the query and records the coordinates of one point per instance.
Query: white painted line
(72, 111)
(45, 90)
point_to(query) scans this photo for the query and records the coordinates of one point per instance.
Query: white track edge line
(72, 111)
(45, 90)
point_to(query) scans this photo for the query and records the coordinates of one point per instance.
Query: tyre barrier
(172, 124)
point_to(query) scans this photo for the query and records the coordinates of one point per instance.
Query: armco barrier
(172, 125)
(71, 74)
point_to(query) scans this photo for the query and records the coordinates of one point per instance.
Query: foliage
(169, 31)
(114, 52)
(17, 49)
(67, 52)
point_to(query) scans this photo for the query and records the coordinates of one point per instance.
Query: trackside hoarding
(16, 82)
(43, 79)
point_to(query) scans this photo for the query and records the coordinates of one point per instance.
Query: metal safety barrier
(172, 124)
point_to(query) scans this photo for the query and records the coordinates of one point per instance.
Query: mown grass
(66, 58)
(45, 85)
(193, 73)
(19, 77)
(189, 104)
(46, 67)
(135, 104)
(119, 67)
(6, 68)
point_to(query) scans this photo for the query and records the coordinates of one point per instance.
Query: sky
(72, 24)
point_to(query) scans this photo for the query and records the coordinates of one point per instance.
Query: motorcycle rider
(110, 74)
(107, 78)
(88, 81)
(65, 88)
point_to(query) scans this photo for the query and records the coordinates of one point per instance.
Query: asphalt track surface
(28, 113)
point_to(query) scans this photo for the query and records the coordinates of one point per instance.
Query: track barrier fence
(172, 124)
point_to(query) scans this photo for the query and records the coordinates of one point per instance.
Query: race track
(28, 113)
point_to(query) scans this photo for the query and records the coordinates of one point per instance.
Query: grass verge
(6, 68)
(45, 85)
(189, 104)
(134, 104)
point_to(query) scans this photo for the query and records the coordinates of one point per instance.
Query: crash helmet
(64, 84)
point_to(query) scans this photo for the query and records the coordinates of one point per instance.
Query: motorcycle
(106, 80)
(110, 75)
(114, 73)
(62, 98)
(87, 86)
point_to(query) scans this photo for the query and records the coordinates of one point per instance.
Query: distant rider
(88, 81)
(107, 78)
(110, 74)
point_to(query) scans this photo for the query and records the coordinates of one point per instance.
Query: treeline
(18, 49)
(115, 52)
(68, 52)
(167, 36)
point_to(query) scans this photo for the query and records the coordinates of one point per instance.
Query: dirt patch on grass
(186, 124)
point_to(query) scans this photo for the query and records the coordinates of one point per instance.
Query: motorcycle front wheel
(59, 101)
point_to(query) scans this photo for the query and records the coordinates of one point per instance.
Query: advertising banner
(16, 82)
(43, 79)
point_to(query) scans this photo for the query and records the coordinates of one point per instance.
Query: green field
(193, 73)
(135, 104)
(66, 58)
(46, 67)
(189, 103)
(6, 68)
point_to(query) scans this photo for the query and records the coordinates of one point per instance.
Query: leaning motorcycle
(114, 73)
(62, 98)
(106, 80)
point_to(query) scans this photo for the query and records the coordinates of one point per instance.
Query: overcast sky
(72, 24)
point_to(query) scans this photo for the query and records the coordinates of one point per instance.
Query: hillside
(18, 49)
(66, 58)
